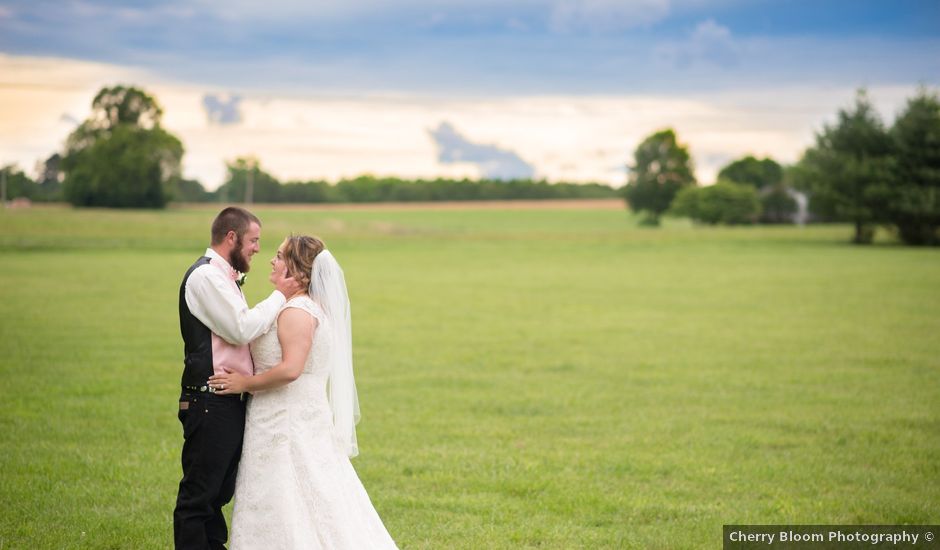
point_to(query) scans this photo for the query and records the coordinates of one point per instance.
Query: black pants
(213, 428)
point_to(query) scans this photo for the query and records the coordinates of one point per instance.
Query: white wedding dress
(296, 488)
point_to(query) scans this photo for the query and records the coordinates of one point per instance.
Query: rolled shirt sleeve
(211, 298)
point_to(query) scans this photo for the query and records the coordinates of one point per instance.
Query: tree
(306, 191)
(849, 170)
(50, 177)
(17, 184)
(765, 175)
(914, 205)
(121, 156)
(748, 170)
(777, 204)
(245, 172)
(725, 202)
(661, 168)
(188, 190)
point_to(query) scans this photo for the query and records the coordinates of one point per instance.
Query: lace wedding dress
(296, 487)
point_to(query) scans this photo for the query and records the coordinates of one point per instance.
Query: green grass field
(533, 378)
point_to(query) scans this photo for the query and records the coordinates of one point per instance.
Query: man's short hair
(234, 219)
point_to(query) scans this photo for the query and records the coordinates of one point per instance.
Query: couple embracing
(274, 422)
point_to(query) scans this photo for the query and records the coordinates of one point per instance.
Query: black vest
(197, 338)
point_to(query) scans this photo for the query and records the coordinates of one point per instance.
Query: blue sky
(491, 47)
(556, 89)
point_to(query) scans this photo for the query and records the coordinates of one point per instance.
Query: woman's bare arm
(295, 330)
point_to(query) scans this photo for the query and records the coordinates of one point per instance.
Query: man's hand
(288, 286)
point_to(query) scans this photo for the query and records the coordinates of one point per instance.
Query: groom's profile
(217, 325)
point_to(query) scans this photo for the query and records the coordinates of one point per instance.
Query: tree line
(122, 157)
(245, 173)
(858, 171)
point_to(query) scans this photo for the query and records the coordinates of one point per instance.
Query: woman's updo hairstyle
(299, 253)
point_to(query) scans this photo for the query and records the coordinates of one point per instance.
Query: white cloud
(712, 42)
(606, 15)
(709, 45)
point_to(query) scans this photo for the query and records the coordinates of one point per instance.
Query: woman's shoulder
(307, 304)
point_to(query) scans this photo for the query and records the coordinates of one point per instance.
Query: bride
(296, 487)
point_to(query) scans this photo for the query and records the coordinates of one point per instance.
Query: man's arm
(213, 301)
(295, 332)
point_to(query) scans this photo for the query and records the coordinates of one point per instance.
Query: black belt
(209, 389)
(201, 389)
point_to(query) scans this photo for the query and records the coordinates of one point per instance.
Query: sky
(557, 89)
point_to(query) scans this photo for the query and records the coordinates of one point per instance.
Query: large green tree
(662, 166)
(749, 170)
(120, 156)
(849, 171)
(914, 205)
(765, 175)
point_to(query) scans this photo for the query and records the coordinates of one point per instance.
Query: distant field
(549, 377)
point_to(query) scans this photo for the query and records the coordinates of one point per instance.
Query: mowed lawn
(528, 378)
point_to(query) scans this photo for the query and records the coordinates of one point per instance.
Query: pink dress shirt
(214, 298)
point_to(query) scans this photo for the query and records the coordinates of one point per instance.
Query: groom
(217, 326)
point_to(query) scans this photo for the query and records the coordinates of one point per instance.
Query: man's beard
(236, 259)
